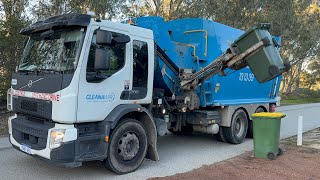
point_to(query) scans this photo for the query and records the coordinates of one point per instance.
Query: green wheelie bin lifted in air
(267, 63)
(266, 134)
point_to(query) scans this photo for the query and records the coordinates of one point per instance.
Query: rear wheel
(250, 123)
(127, 147)
(236, 133)
(220, 136)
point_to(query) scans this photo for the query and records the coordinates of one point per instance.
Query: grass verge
(293, 101)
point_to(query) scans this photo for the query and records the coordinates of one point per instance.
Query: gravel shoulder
(296, 163)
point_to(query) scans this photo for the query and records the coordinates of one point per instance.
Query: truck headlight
(56, 138)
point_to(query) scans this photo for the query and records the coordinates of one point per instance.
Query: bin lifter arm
(230, 59)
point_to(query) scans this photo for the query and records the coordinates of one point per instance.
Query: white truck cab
(65, 101)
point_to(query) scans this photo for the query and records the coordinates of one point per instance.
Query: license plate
(25, 148)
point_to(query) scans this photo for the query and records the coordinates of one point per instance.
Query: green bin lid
(260, 26)
(269, 115)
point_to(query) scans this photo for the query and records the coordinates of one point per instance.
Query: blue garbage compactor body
(192, 44)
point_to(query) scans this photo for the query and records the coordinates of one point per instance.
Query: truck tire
(236, 133)
(127, 147)
(250, 123)
(220, 136)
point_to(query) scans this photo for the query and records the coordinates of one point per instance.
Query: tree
(104, 9)
(168, 9)
(313, 74)
(297, 22)
(11, 42)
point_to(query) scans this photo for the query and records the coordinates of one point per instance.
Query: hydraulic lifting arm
(230, 59)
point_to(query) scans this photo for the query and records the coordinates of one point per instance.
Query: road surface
(178, 154)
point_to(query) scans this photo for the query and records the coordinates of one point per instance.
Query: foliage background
(296, 21)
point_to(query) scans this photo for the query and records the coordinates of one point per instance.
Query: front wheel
(236, 133)
(127, 147)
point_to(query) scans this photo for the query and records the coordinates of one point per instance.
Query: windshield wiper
(53, 71)
(27, 72)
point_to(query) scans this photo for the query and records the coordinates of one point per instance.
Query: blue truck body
(193, 43)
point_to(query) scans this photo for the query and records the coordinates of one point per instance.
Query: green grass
(293, 101)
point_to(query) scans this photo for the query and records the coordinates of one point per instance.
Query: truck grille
(34, 107)
(29, 105)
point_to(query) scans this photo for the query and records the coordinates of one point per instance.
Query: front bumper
(77, 145)
(66, 160)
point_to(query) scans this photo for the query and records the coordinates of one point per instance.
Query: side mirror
(103, 37)
(102, 59)
(121, 38)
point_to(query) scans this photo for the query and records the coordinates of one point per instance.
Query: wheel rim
(128, 146)
(239, 126)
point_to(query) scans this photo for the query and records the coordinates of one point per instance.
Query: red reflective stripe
(43, 96)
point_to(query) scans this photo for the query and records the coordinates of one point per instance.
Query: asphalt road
(178, 154)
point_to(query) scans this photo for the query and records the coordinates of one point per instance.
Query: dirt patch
(310, 139)
(296, 163)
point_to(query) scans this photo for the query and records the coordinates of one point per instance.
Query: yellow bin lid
(269, 115)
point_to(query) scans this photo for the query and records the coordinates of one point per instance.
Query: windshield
(54, 51)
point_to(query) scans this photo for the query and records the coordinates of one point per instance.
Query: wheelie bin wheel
(280, 152)
(271, 155)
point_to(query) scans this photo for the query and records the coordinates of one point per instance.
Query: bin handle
(275, 42)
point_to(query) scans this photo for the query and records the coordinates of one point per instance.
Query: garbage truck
(88, 89)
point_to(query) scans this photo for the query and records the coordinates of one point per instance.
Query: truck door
(139, 71)
(141, 82)
(99, 96)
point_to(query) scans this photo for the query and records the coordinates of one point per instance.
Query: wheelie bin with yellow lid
(266, 134)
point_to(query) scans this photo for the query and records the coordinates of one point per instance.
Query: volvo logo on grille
(30, 83)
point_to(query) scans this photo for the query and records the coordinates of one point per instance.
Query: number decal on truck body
(246, 77)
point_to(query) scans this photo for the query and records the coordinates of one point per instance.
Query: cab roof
(83, 20)
(56, 21)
